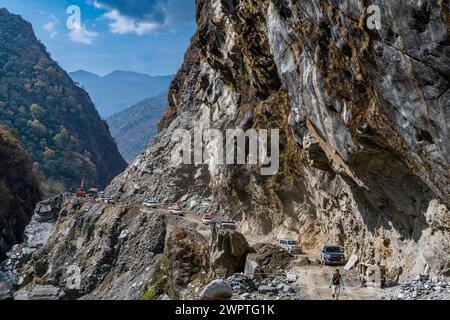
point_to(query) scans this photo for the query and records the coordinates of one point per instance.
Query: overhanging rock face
(363, 116)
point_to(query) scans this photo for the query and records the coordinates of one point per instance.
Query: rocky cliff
(19, 191)
(363, 115)
(83, 249)
(116, 91)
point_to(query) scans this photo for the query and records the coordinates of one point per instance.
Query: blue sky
(148, 36)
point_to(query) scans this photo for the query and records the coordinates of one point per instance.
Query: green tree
(49, 153)
(37, 125)
(62, 137)
(37, 111)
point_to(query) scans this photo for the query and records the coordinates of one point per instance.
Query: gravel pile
(270, 258)
(241, 283)
(422, 288)
(275, 287)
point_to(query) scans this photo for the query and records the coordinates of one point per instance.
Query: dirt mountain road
(314, 282)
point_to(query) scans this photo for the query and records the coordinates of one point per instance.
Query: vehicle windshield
(228, 225)
(332, 249)
(293, 243)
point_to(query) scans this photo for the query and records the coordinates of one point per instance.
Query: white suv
(150, 205)
(177, 212)
(226, 225)
(290, 246)
(206, 219)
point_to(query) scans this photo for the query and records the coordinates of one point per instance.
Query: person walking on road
(336, 283)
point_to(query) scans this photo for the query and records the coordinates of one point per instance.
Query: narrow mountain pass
(312, 280)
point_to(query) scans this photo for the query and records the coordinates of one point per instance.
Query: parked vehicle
(92, 193)
(226, 225)
(212, 225)
(290, 246)
(109, 201)
(174, 206)
(177, 212)
(150, 205)
(332, 255)
(206, 219)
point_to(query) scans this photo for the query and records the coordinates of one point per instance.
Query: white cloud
(82, 35)
(98, 5)
(142, 17)
(122, 24)
(50, 27)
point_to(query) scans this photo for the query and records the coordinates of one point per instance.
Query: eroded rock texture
(75, 249)
(364, 119)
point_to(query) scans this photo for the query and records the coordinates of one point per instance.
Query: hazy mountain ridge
(133, 127)
(118, 90)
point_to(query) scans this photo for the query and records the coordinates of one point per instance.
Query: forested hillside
(19, 190)
(56, 120)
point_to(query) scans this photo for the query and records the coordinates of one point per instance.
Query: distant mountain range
(120, 89)
(133, 127)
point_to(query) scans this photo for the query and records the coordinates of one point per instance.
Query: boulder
(302, 261)
(268, 289)
(217, 290)
(291, 277)
(285, 288)
(421, 288)
(40, 292)
(228, 253)
(267, 258)
(241, 283)
(5, 292)
(351, 262)
(250, 266)
(187, 251)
